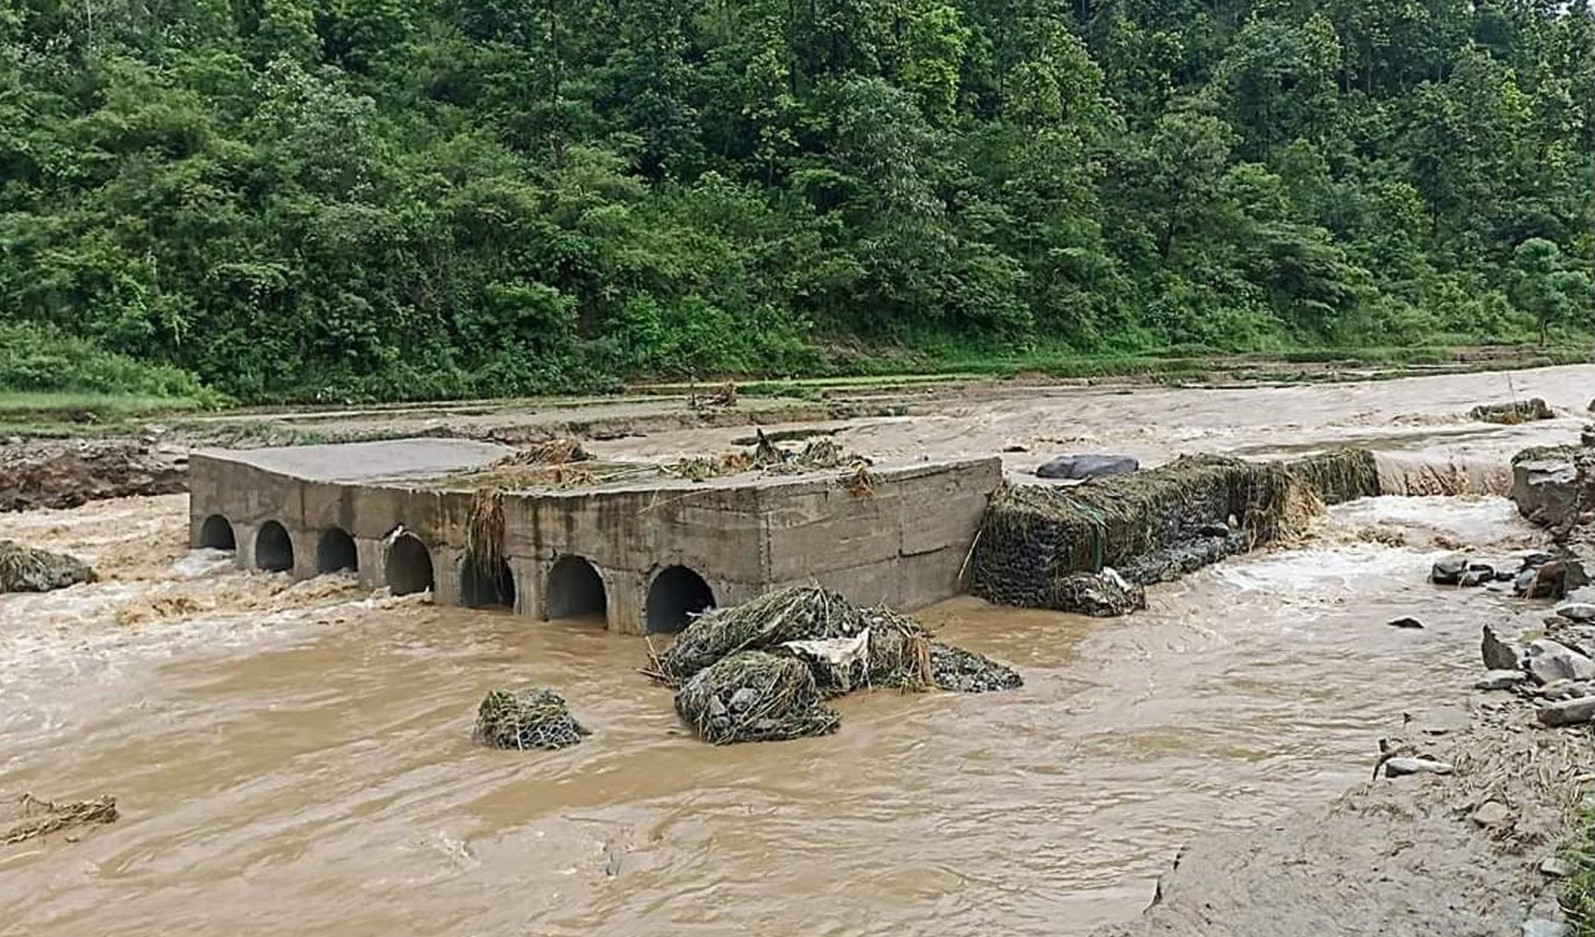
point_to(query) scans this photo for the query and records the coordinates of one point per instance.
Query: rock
(1500, 680)
(1087, 466)
(1476, 577)
(1404, 622)
(1545, 489)
(1557, 867)
(1213, 530)
(1576, 611)
(1015, 447)
(1550, 660)
(744, 699)
(1550, 580)
(1560, 690)
(1571, 712)
(1545, 927)
(1491, 813)
(1447, 571)
(1498, 655)
(1535, 558)
(24, 569)
(1100, 595)
(1512, 411)
(1398, 767)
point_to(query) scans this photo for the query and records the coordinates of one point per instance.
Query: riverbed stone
(1406, 621)
(1545, 927)
(1576, 611)
(1087, 466)
(1447, 571)
(1571, 712)
(1500, 680)
(1560, 690)
(1399, 767)
(1492, 813)
(1551, 660)
(1498, 654)
(1557, 867)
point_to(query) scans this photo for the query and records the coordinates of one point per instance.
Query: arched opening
(336, 553)
(486, 588)
(217, 534)
(274, 551)
(574, 589)
(409, 566)
(676, 595)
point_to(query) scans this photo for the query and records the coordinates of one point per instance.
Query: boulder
(1571, 712)
(24, 569)
(1500, 680)
(1087, 466)
(1498, 655)
(1549, 660)
(1448, 571)
(1545, 489)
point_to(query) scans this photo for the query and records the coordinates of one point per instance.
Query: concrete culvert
(676, 595)
(486, 588)
(409, 566)
(274, 551)
(574, 589)
(336, 552)
(217, 534)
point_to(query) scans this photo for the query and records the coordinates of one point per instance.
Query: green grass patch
(1578, 892)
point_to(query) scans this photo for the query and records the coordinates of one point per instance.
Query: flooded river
(296, 758)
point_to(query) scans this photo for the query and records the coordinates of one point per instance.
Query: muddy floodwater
(296, 758)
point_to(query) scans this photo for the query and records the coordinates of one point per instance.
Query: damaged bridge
(644, 554)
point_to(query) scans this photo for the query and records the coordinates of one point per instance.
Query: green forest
(401, 199)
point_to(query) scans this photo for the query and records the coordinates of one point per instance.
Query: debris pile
(24, 569)
(754, 696)
(42, 817)
(526, 719)
(760, 671)
(1150, 526)
(1512, 411)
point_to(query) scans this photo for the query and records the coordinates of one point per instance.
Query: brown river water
(296, 758)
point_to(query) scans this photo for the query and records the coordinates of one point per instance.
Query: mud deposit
(297, 758)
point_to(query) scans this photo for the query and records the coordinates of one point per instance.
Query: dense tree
(375, 199)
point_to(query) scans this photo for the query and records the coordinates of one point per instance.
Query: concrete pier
(646, 554)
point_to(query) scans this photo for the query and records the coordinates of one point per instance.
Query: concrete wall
(902, 543)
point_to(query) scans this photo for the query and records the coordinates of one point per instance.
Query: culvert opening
(217, 533)
(676, 595)
(575, 590)
(409, 566)
(336, 553)
(486, 588)
(274, 551)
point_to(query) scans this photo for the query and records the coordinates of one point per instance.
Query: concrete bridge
(644, 555)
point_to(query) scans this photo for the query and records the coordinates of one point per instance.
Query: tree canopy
(288, 199)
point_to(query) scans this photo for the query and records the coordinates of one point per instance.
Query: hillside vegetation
(381, 199)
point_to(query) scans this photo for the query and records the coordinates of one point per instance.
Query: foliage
(282, 199)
